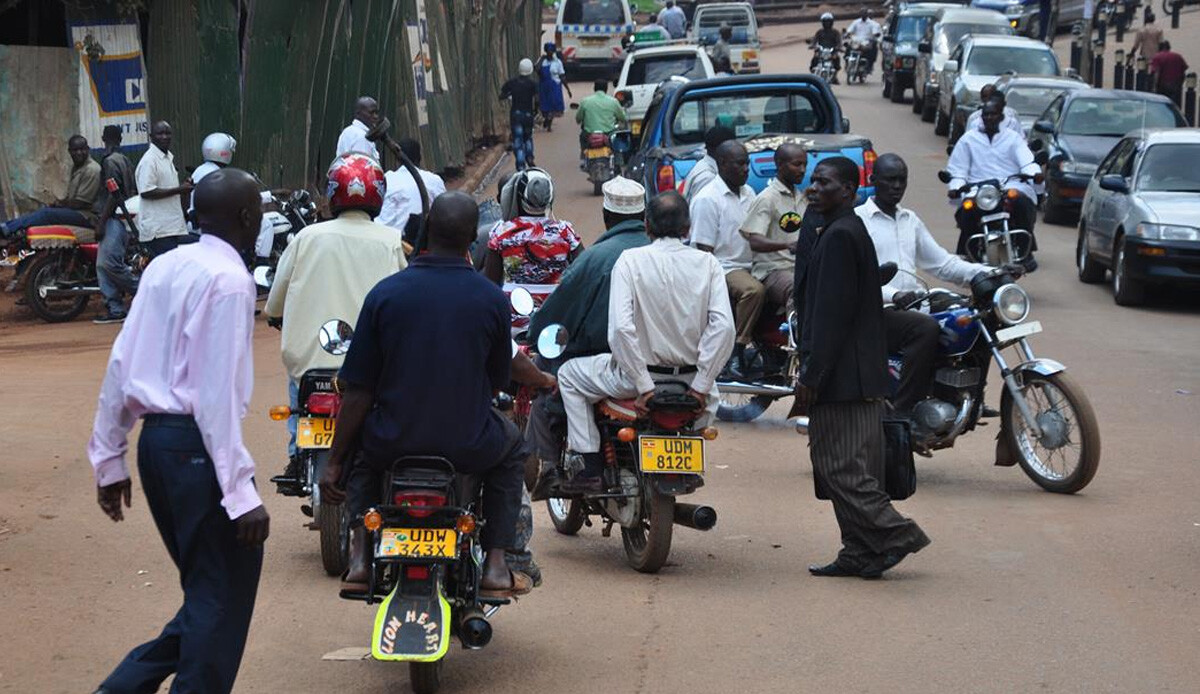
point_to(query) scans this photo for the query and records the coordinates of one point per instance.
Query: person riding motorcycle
(327, 270)
(217, 151)
(528, 246)
(865, 32)
(598, 113)
(995, 153)
(826, 37)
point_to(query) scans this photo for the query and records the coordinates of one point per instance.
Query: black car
(902, 31)
(1079, 129)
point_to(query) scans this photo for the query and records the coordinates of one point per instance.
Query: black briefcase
(900, 473)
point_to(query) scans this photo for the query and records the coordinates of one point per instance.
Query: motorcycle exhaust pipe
(802, 425)
(474, 631)
(739, 388)
(695, 516)
(64, 292)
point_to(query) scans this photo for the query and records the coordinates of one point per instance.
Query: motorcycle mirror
(522, 301)
(379, 130)
(887, 271)
(262, 276)
(1036, 145)
(1041, 158)
(944, 176)
(574, 106)
(552, 341)
(334, 337)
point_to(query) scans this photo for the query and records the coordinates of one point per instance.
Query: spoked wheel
(566, 514)
(737, 407)
(648, 544)
(426, 678)
(47, 272)
(1066, 455)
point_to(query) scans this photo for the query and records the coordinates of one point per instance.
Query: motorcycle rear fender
(674, 485)
(412, 628)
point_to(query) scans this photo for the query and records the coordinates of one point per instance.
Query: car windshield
(1115, 117)
(1170, 168)
(951, 34)
(996, 60)
(777, 112)
(911, 28)
(653, 70)
(1031, 101)
(593, 12)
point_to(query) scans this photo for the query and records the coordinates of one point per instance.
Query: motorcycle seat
(668, 395)
(51, 236)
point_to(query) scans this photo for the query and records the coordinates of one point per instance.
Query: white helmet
(525, 67)
(827, 17)
(218, 148)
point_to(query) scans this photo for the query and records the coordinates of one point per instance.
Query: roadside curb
(481, 170)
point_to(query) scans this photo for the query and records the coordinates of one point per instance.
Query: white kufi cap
(624, 196)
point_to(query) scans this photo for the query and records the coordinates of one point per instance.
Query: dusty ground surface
(1020, 591)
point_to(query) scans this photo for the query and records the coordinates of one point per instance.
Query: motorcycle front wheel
(566, 514)
(735, 407)
(648, 544)
(426, 678)
(1065, 457)
(47, 272)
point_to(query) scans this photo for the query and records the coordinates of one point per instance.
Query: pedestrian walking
(1169, 68)
(522, 93)
(844, 380)
(183, 365)
(550, 71)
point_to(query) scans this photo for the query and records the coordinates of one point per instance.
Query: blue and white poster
(112, 84)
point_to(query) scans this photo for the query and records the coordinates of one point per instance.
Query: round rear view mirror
(522, 301)
(262, 276)
(552, 341)
(334, 337)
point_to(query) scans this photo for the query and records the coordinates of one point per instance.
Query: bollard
(1102, 30)
(1121, 20)
(1098, 71)
(1075, 54)
(1119, 69)
(1189, 99)
(1142, 80)
(1175, 13)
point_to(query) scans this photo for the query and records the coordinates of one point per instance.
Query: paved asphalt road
(1021, 590)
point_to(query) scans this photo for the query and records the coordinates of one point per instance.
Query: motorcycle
(857, 65)
(280, 225)
(991, 202)
(317, 409)
(649, 461)
(604, 157)
(825, 64)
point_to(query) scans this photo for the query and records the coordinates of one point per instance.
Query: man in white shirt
(674, 20)
(160, 222)
(993, 153)
(901, 237)
(327, 270)
(402, 204)
(1012, 119)
(717, 216)
(668, 319)
(706, 169)
(354, 136)
(772, 225)
(183, 364)
(865, 30)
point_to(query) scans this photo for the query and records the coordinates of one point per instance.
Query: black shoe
(1030, 263)
(109, 317)
(547, 483)
(989, 412)
(582, 484)
(832, 569)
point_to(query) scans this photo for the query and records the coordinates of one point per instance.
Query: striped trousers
(847, 451)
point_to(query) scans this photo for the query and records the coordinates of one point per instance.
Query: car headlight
(1167, 232)
(1014, 10)
(1011, 304)
(1076, 167)
(988, 198)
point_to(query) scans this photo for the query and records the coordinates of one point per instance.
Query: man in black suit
(844, 380)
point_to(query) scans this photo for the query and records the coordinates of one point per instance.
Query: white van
(589, 34)
(738, 16)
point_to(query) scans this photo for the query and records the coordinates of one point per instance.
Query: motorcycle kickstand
(606, 531)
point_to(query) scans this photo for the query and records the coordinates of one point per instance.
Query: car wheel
(1090, 271)
(941, 124)
(928, 107)
(953, 127)
(1054, 212)
(1126, 292)
(897, 95)
(918, 103)
(887, 88)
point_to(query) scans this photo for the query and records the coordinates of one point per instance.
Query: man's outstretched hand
(330, 492)
(111, 496)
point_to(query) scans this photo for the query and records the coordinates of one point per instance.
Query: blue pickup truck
(763, 110)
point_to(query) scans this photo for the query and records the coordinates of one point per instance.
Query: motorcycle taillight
(418, 503)
(868, 166)
(665, 180)
(672, 420)
(324, 403)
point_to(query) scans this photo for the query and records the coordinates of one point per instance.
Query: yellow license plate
(420, 543)
(636, 128)
(314, 432)
(597, 152)
(677, 454)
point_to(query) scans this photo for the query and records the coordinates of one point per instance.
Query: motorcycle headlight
(1167, 232)
(1011, 304)
(988, 198)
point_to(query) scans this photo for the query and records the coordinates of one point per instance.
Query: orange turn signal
(626, 435)
(709, 433)
(280, 412)
(372, 520)
(964, 320)
(968, 204)
(1012, 193)
(465, 524)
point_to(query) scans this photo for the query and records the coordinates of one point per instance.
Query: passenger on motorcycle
(901, 237)
(865, 32)
(78, 207)
(772, 225)
(327, 270)
(598, 113)
(112, 271)
(531, 248)
(993, 153)
(580, 304)
(217, 151)
(668, 320)
(1012, 120)
(402, 202)
(705, 170)
(430, 350)
(826, 37)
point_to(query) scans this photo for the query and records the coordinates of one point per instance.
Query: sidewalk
(1185, 41)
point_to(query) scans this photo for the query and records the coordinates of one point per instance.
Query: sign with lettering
(112, 83)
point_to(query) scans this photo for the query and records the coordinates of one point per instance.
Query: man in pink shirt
(182, 363)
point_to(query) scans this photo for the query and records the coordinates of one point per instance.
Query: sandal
(521, 585)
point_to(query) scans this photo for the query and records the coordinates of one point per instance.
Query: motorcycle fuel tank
(957, 336)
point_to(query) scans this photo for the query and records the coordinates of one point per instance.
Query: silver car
(1141, 215)
(941, 37)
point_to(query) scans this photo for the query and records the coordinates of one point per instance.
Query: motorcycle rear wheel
(742, 408)
(45, 271)
(566, 514)
(648, 545)
(426, 678)
(334, 525)
(1069, 427)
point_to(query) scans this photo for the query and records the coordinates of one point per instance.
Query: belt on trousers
(179, 421)
(671, 370)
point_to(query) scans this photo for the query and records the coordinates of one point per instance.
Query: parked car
(1141, 215)
(1081, 127)
(763, 110)
(1023, 15)
(902, 31)
(1030, 95)
(646, 68)
(940, 39)
(590, 34)
(978, 61)
(744, 47)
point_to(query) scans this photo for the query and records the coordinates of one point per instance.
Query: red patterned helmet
(356, 182)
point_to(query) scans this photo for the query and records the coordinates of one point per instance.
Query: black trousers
(203, 644)
(847, 449)
(502, 482)
(1023, 216)
(163, 244)
(914, 335)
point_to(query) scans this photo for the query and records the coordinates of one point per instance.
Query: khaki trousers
(747, 296)
(778, 286)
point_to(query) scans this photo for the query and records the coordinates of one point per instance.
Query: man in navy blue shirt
(430, 349)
